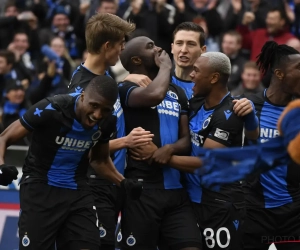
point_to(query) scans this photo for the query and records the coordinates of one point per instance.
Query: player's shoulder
(127, 84)
(256, 98)
(80, 79)
(224, 111)
(63, 102)
(177, 90)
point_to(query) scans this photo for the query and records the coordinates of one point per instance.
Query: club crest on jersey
(25, 241)
(206, 123)
(131, 240)
(102, 232)
(119, 236)
(172, 94)
(97, 135)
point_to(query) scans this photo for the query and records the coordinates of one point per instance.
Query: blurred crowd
(43, 41)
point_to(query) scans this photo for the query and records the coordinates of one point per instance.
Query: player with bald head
(163, 211)
(214, 124)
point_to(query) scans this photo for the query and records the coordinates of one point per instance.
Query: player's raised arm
(155, 92)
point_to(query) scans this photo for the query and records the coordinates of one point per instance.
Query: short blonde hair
(104, 27)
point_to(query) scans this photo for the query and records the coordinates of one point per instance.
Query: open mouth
(183, 58)
(92, 121)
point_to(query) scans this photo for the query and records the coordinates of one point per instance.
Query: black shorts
(221, 226)
(108, 201)
(50, 214)
(264, 226)
(165, 214)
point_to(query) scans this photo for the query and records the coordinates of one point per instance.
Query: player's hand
(162, 59)
(132, 188)
(162, 155)
(236, 5)
(138, 137)
(143, 153)
(243, 107)
(9, 173)
(248, 18)
(141, 80)
(180, 5)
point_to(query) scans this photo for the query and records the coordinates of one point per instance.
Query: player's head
(284, 63)
(97, 100)
(138, 56)
(105, 35)
(188, 44)
(211, 70)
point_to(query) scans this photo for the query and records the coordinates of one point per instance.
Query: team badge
(172, 94)
(102, 232)
(25, 241)
(131, 241)
(206, 123)
(97, 135)
(119, 236)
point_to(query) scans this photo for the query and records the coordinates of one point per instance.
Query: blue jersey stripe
(62, 172)
(273, 182)
(169, 115)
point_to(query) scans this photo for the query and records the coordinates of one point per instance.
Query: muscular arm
(185, 163)
(252, 134)
(11, 134)
(182, 146)
(138, 137)
(155, 92)
(191, 163)
(117, 144)
(103, 165)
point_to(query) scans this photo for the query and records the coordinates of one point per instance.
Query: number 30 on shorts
(211, 238)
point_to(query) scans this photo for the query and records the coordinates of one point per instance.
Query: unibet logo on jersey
(170, 105)
(196, 139)
(77, 145)
(268, 133)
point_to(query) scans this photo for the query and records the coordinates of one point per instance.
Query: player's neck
(276, 96)
(215, 97)
(143, 71)
(95, 64)
(183, 74)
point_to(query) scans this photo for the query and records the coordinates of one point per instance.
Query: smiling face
(202, 77)
(186, 48)
(92, 107)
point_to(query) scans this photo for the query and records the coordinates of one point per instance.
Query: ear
(82, 96)
(172, 44)
(215, 78)
(203, 49)
(136, 60)
(279, 74)
(106, 45)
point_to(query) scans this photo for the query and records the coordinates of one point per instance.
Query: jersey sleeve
(226, 127)
(108, 129)
(38, 115)
(125, 89)
(183, 101)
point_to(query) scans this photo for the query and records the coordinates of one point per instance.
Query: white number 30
(209, 237)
